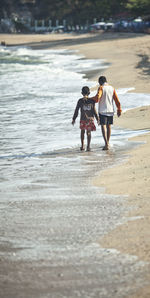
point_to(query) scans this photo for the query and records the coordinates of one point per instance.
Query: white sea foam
(43, 88)
(132, 100)
(53, 213)
(42, 91)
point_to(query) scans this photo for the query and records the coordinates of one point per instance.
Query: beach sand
(132, 178)
(128, 55)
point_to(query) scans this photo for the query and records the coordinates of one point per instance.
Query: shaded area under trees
(78, 11)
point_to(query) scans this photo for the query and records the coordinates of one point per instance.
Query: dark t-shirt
(87, 109)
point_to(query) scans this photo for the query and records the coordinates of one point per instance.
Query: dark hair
(102, 80)
(85, 90)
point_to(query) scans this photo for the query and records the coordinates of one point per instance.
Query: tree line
(77, 11)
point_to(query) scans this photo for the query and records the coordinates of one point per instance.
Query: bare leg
(108, 133)
(82, 139)
(88, 139)
(103, 128)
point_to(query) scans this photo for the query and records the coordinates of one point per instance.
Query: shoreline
(124, 71)
(127, 54)
(132, 178)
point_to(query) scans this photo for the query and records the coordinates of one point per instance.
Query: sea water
(49, 209)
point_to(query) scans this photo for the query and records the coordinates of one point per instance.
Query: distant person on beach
(87, 113)
(106, 95)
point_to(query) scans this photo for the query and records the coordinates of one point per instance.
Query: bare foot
(106, 147)
(82, 148)
(88, 149)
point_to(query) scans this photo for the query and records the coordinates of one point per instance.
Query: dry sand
(128, 55)
(132, 178)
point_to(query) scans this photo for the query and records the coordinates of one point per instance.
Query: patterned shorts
(87, 125)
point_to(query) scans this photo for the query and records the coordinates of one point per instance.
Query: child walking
(87, 113)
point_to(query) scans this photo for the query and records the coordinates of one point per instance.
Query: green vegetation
(78, 11)
(138, 7)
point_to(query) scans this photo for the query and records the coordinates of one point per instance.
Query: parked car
(97, 26)
(58, 29)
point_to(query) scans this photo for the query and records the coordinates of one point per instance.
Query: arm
(95, 114)
(117, 102)
(76, 112)
(98, 96)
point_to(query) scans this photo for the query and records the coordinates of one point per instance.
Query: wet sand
(132, 178)
(128, 55)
